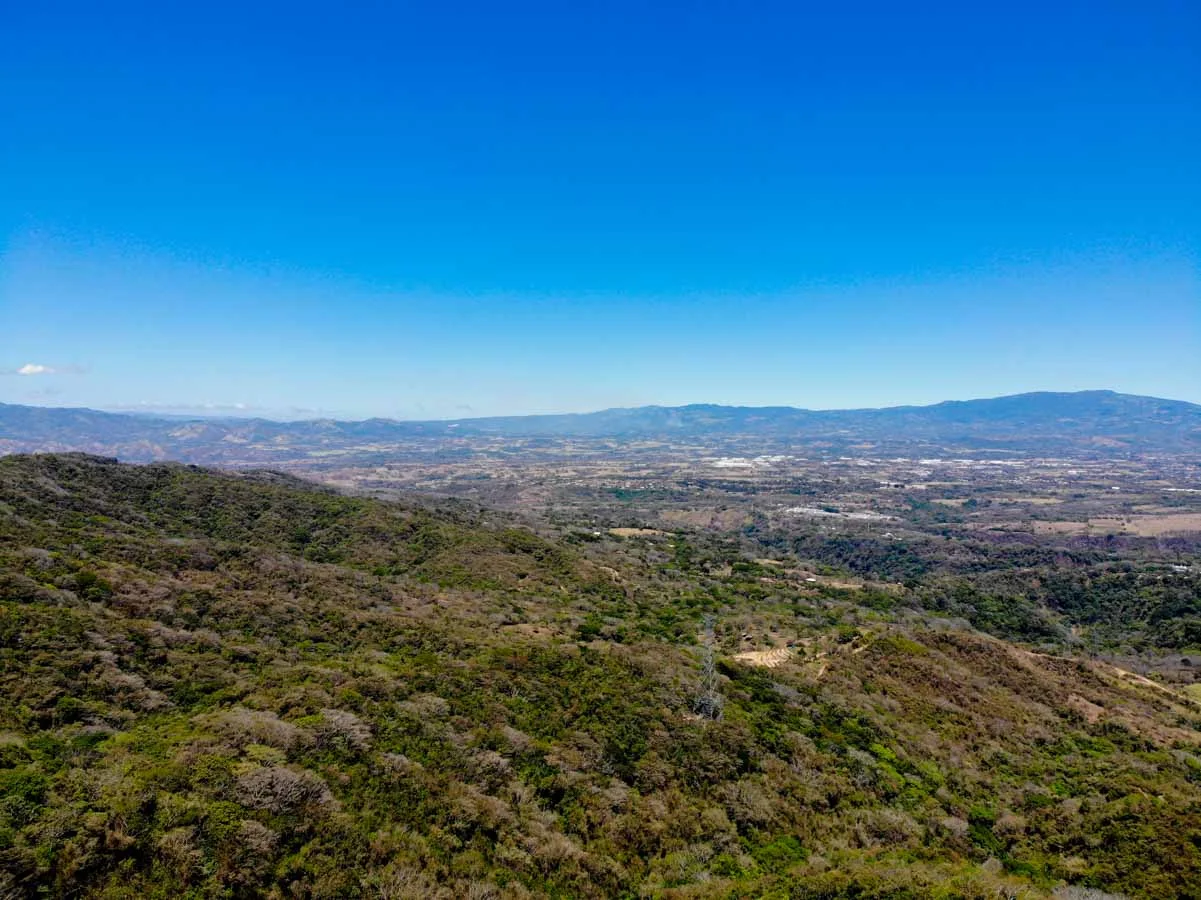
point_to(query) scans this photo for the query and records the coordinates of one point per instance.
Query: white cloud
(43, 369)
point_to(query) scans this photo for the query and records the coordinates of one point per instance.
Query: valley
(592, 666)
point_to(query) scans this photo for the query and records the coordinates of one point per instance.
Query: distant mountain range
(1093, 423)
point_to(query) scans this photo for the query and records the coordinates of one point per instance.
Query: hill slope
(231, 685)
(1089, 422)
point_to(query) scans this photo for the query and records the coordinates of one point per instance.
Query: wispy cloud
(30, 369)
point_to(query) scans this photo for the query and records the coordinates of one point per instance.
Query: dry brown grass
(1141, 525)
(1153, 526)
(768, 659)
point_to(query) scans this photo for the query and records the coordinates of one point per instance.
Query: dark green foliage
(780, 853)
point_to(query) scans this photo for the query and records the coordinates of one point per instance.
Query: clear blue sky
(440, 209)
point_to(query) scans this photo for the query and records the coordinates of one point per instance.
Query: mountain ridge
(1094, 422)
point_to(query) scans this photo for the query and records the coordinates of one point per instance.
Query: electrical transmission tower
(708, 702)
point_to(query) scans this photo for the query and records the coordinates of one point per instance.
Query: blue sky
(419, 209)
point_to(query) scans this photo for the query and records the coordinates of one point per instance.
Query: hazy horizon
(215, 413)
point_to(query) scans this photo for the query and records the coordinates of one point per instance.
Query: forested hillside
(243, 685)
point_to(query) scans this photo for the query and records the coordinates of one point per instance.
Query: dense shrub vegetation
(245, 686)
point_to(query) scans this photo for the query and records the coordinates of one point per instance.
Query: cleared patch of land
(767, 659)
(1141, 525)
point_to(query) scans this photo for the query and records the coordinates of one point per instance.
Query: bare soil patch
(1143, 526)
(768, 659)
(1153, 526)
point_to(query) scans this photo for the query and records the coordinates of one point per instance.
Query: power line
(708, 702)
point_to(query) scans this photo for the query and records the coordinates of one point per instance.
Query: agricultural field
(1035, 548)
